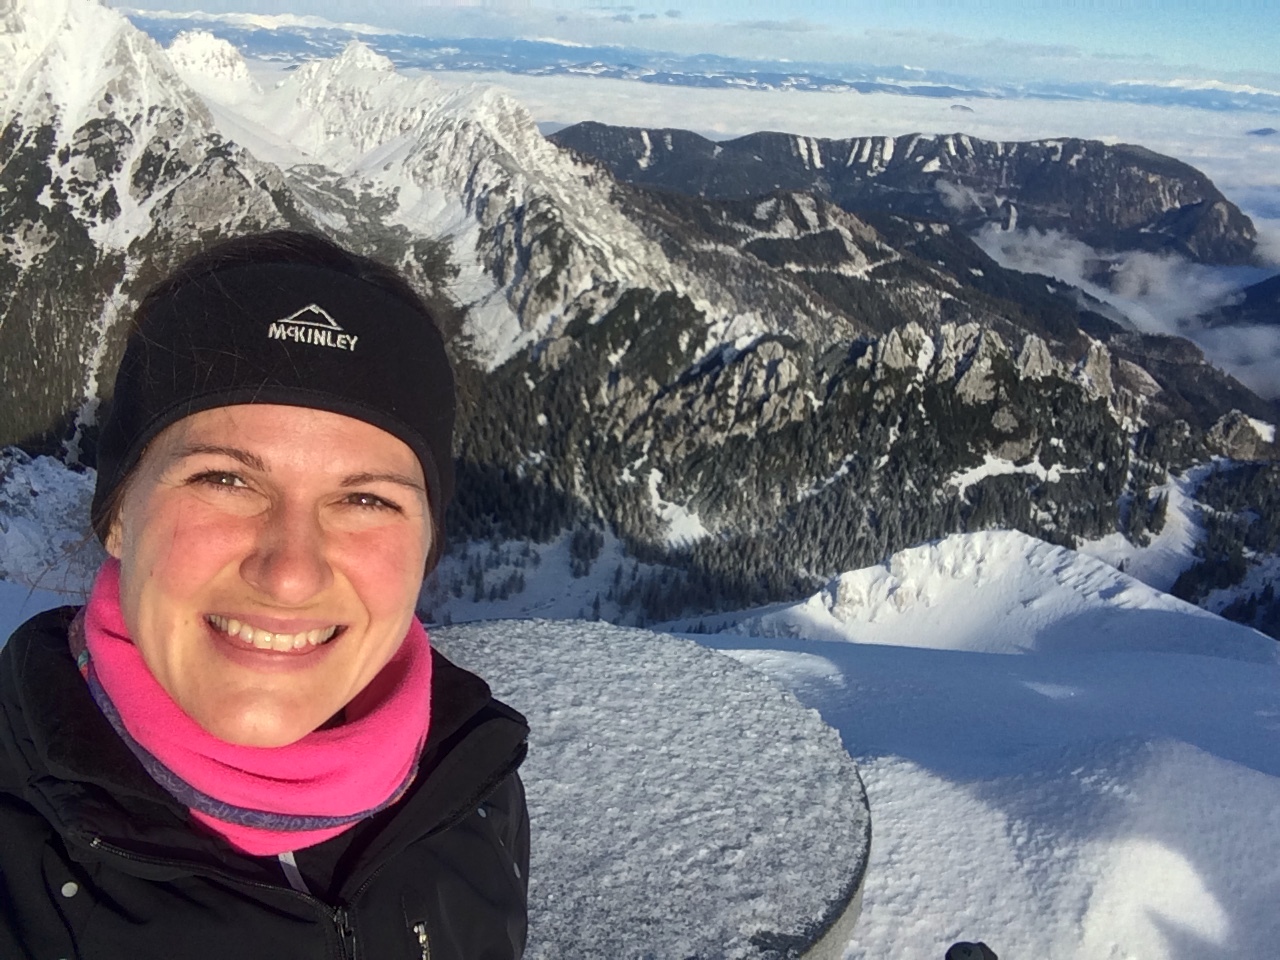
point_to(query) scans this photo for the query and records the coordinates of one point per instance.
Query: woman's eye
(371, 501)
(216, 478)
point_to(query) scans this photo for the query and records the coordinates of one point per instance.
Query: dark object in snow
(971, 951)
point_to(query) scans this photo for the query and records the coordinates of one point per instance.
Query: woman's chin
(258, 728)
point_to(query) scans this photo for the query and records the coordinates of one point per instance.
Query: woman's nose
(288, 563)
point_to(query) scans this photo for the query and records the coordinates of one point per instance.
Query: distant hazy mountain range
(289, 40)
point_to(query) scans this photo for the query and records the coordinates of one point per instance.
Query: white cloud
(1158, 293)
(1251, 354)
(1269, 236)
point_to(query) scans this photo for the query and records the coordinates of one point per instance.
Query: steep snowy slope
(536, 233)
(1004, 592)
(110, 161)
(1113, 791)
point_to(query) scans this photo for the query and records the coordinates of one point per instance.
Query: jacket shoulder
(36, 648)
(46, 630)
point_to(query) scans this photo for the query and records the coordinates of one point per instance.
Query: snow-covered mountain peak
(204, 60)
(78, 60)
(469, 164)
(358, 55)
(335, 111)
(349, 70)
(1001, 591)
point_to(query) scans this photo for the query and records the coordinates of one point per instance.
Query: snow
(1169, 552)
(993, 466)
(64, 54)
(208, 63)
(1266, 431)
(1083, 775)
(683, 525)
(1061, 759)
(262, 21)
(1263, 571)
(683, 805)
(1003, 592)
(45, 542)
(647, 157)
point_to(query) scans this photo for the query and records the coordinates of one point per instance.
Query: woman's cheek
(386, 562)
(201, 541)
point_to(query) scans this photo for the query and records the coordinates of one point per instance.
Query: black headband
(291, 334)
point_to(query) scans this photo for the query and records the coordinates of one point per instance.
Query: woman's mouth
(265, 640)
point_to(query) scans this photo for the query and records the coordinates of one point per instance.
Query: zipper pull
(420, 930)
(346, 935)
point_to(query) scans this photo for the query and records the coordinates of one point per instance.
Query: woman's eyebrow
(235, 453)
(404, 480)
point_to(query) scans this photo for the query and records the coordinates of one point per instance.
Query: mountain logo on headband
(313, 325)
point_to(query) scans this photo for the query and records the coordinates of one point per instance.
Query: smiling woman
(270, 558)
(244, 745)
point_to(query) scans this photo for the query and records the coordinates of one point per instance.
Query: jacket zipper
(338, 916)
(346, 934)
(420, 928)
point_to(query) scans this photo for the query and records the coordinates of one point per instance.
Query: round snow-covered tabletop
(682, 805)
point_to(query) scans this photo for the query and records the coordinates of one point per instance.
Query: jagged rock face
(538, 234)
(1035, 361)
(1152, 203)
(1189, 387)
(793, 459)
(1237, 436)
(115, 170)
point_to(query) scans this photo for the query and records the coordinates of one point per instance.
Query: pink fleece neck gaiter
(263, 800)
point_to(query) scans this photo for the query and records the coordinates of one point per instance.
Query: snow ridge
(207, 62)
(1000, 591)
(469, 164)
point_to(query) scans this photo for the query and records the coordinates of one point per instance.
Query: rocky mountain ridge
(1155, 203)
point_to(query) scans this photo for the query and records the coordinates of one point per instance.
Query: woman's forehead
(280, 433)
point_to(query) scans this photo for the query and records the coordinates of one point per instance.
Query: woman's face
(271, 558)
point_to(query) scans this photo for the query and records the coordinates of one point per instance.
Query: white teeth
(265, 640)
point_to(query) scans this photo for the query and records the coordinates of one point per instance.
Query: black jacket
(98, 862)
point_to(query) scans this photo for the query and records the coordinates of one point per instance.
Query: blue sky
(1230, 40)
(1229, 34)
